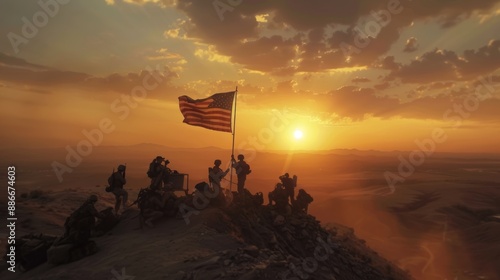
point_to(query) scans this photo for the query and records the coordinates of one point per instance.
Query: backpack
(304, 197)
(143, 197)
(106, 223)
(151, 171)
(309, 198)
(245, 168)
(201, 186)
(31, 250)
(258, 198)
(111, 182)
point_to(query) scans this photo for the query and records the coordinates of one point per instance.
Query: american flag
(213, 112)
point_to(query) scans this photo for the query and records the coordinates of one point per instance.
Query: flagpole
(234, 134)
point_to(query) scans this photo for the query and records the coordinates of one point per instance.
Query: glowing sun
(298, 134)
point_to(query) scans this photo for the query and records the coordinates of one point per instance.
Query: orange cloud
(309, 43)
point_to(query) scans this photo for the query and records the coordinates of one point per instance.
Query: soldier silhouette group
(283, 195)
(159, 200)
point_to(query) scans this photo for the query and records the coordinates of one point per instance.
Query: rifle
(111, 182)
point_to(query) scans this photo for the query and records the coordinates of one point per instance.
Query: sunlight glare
(298, 134)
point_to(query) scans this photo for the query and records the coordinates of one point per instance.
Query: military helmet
(241, 157)
(217, 162)
(121, 167)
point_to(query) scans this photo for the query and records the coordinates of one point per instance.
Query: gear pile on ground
(35, 249)
(31, 250)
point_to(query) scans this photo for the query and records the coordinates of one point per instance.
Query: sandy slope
(150, 253)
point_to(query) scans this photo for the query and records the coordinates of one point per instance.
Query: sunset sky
(357, 74)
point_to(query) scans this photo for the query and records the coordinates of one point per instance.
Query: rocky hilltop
(243, 241)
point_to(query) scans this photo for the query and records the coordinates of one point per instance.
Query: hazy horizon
(286, 151)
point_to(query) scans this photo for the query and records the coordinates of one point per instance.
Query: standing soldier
(158, 172)
(289, 185)
(242, 170)
(215, 174)
(117, 182)
(279, 195)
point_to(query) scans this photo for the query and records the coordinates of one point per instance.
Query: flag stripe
(189, 120)
(211, 117)
(214, 112)
(198, 104)
(207, 111)
(191, 117)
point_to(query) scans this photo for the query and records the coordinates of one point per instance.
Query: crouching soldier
(277, 195)
(79, 225)
(75, 243)
(153, 205)
(289, 184)
(303, 200)
(107, 222)
(280, 198)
